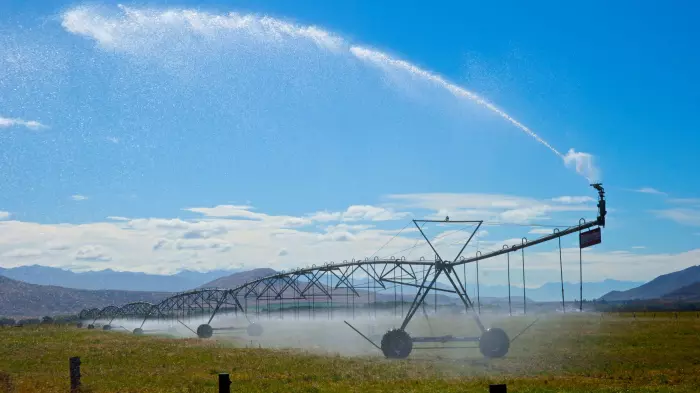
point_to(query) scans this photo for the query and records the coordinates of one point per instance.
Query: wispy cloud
(490, 207)
(639, 247)
(360, 213)
(112, 139)
(78, 197)
(649, 190)
(7, 122)
(573, 199)
(4, 215)
(22, 253)
(682, 216)
(540, 231)
(685, 201)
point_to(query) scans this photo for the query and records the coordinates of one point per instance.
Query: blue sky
(150, 109)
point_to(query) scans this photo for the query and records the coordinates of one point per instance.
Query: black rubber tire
(91, 326)
(138, 331)
(396, 344)
(106, 327)
(254, 330)
(79, 325)
(204, 331)
(494, 343)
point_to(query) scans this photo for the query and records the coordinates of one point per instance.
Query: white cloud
(638, 247)
(78, 197)
(573, 199)
(92, 253)
(112, 139)
(359, 213)
(117, 218)
(353, 213)
(371, 213)
(22, 253)
(337, 236)
(230, 211)
(166, 245)
(488, 207)
(4, 215)
(541, 231)
(202, 244)
(6, 122)
(204, 233)
(524, 215)
(680, 215)
(325, 216)
(57, 246)
(649, 190)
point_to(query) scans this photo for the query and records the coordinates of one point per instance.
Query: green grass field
(573, 353)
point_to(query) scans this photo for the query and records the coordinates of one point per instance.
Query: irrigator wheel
(396, 344)
(106, 327)
(91, 326)
(494, 343)
(254, 330)
(79, 325)
(204, 331)
(138, 331)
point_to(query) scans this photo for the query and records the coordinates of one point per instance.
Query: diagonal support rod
(439, 267)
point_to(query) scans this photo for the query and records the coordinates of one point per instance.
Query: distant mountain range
(110, 279)
(45, 291)
(551, 291)
(20, 299)
(660, 287)
(185, 280)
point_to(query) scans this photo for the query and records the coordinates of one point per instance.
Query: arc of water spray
(581, 162)
(125, 31)
(383, 59)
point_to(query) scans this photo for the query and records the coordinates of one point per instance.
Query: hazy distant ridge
(110, 279)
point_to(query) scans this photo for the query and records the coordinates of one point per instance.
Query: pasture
(562, 353)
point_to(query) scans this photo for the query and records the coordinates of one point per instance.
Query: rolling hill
(18, 298)
(658, 287)
(688, 293)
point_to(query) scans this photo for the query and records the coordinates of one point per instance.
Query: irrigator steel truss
(300, 289)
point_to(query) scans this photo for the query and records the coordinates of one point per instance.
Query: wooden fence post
(502, 388)
(74, 374)
(224, 383)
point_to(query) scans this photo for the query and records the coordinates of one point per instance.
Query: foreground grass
(571, 354)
